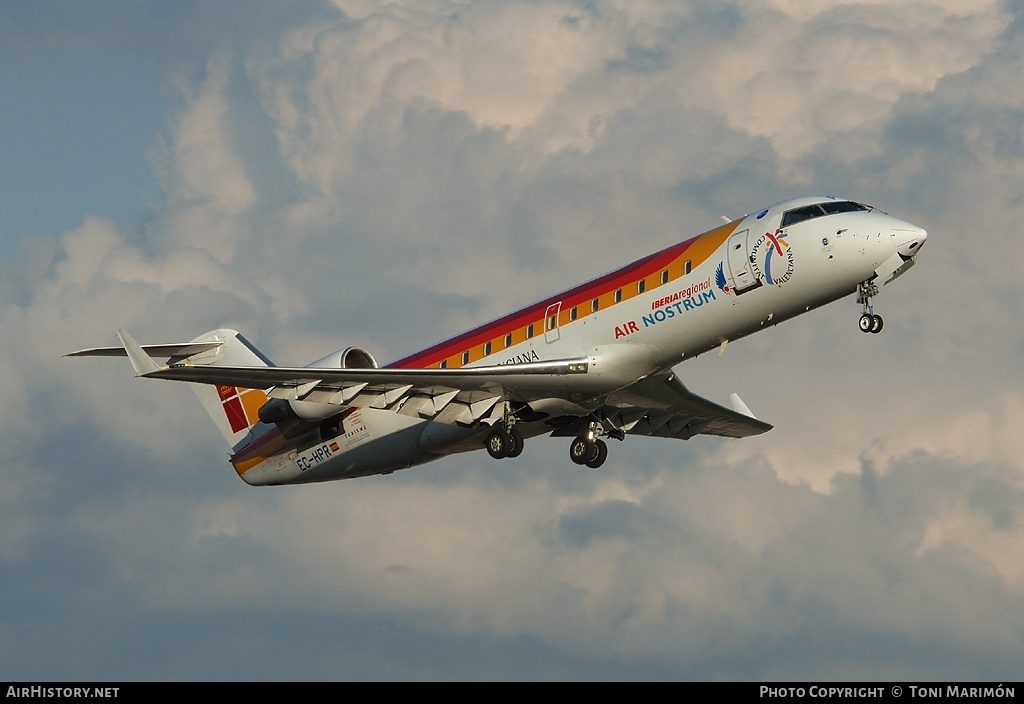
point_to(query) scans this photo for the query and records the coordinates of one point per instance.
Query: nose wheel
(869, 320)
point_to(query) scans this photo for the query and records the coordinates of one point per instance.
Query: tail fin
(234, 410)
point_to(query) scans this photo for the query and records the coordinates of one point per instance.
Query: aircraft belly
(439, 438)
(371, 441)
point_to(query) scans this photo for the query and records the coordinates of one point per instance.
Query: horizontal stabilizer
(234, 409)
(180, 349)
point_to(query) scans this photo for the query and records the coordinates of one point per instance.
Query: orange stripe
(697, 251)
(252, 400)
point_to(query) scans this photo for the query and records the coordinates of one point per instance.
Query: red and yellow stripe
(625, 282)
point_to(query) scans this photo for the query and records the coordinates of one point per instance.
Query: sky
(326, 174)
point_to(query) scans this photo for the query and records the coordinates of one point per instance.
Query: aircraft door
(551, 332)
(743, 278)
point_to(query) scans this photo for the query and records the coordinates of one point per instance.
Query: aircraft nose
(907, 238)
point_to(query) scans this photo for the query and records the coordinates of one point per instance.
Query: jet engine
(348, 358)
(279, 410)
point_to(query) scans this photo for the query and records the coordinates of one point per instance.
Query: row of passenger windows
(552, 320)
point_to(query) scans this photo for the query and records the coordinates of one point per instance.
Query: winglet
(141, 361)
(737, 405)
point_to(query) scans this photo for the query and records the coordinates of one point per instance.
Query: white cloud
(208, 192)
(676, 564)
(429, 165)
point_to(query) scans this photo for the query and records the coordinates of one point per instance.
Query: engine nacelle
(280, 410)
(348, 358)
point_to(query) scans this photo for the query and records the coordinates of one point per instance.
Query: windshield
(820, 209)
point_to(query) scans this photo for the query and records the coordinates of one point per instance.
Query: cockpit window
(842, 206)
(820, 209)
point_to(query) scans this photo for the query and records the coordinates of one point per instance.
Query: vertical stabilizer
(234, 410)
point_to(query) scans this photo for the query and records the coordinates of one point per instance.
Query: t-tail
(235, 411)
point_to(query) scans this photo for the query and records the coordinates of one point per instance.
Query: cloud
(676, 565)
(208, 192)
(389, 174)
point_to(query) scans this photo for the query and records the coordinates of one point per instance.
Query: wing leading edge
(325, 384)
(658, 405)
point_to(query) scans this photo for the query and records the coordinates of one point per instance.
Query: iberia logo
(771, 258)
(241, 406)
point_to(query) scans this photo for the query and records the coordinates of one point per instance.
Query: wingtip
(737, 405)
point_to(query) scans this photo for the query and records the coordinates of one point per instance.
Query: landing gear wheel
(600, 455)
(516, 448)
(869, 322)
(582, 450)
(499, 443)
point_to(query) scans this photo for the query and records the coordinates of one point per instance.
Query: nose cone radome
(908, 238)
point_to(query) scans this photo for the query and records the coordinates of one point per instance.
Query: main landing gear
(502, 442)
(586, 451)
(589, 449)
(869, 321)
(505, 440)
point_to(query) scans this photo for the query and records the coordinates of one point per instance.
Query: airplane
(593, 362)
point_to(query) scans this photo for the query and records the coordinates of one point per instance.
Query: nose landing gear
(869, 320)
(870, 323)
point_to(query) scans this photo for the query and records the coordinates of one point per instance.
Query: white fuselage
(723, 285)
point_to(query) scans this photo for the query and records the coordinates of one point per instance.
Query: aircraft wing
(658, 405)
(375, 387)
(311, 383)
(661, 406)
